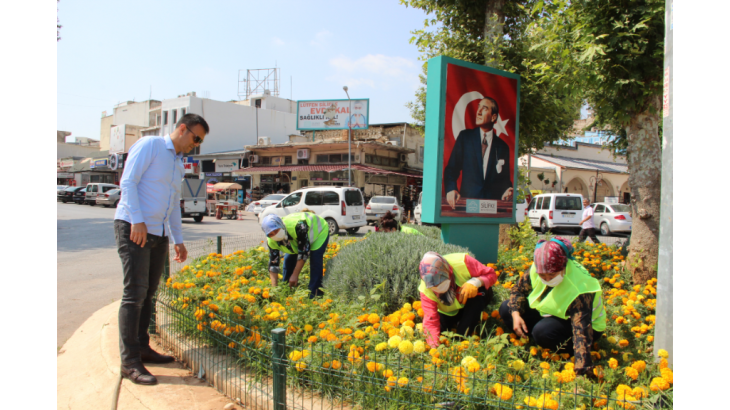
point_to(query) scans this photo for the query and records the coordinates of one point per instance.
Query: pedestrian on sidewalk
(588, 228)
(148, 212)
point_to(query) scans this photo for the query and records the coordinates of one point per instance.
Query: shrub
(383, 258)
(429, 231)
(523, 235)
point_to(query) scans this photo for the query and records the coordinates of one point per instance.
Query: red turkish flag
(465, 88)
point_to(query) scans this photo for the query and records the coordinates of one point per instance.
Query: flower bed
(356, 349)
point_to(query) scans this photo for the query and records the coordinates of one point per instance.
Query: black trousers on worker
(591, 232)
(548, 332)
(468, 318)
(142, 271)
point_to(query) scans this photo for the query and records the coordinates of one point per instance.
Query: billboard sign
(226, 165)
(472, 136)
(117, 138)
(333, 114)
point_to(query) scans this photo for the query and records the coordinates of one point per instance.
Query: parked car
(67, 195)
(520, 210)
(112, 198)
(610, 218)
(379, 205)
(60, 188)
(341, 207)
(94, 189)
(80, 196)
(417, 210)
(548, 211)
(261, 204)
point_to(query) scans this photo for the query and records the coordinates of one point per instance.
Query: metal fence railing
(261, 369)
(220, 244)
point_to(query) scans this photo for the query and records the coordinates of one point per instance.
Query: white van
(94, 189)
(341, 207)
(193, 199)
(548, 211)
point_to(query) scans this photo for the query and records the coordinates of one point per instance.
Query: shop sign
(65, 163)
(332, 114)
(226, 165)
(64, 175)
(99, 163)
(117, 139)
(213, 174)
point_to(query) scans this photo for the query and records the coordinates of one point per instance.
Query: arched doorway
(603, 190)
(576, 186)
(625, 193)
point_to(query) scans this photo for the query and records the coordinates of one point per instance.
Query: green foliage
(523, 235)
(383, 258)
(472, 31)
(433, 232)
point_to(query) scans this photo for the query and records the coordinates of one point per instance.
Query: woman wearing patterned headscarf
(558, 303)
(454, 290)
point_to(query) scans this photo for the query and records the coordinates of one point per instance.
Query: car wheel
(92, 203)
(544, 226)
(333, 226)
(605, 230)
(198, 218)
(116, 203)
(106, 206)
(352, 230)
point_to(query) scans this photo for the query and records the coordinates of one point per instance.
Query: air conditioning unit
(254, 159)
(303, 153)
(403, 158)
(264, 141)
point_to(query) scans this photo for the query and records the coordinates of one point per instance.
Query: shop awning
(222, 186)
(328, 168)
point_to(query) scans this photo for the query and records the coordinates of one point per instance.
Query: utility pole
(349, 138)
(663, 338)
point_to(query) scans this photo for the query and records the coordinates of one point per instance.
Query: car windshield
(61, 186)
(353, 197)
(273, 198)
(568, 203)
(620, 208)
(383, 200)
(70, 189)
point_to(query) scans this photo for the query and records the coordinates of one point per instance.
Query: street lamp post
(349, 138)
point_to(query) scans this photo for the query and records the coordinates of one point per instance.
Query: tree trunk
(493, 30)
(504, 239)
(645, 171)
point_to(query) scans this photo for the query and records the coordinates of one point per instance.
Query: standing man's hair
(191, 120)
(495, 106)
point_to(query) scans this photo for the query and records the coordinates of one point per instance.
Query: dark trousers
(316, 268)
(142, 270)
(548, 332)
(591, 232)
(468, 318)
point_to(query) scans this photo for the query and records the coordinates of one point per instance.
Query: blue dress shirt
(151, 185)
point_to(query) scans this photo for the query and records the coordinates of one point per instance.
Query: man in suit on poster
(481, 158)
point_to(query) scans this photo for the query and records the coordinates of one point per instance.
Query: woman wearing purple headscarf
(558, 303)
(454, 291)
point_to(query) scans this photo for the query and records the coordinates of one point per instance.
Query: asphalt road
(89, 269)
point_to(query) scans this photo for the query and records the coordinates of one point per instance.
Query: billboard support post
(472, 139)
(349, 138)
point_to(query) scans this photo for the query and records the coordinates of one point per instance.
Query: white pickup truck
(193, 199)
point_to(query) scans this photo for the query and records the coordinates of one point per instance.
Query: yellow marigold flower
(373, 318)
(612, 340)
(473, 367)
(632, 373)
(394, 341)
(503, 392)
(419, 346)
(663, 364)
(359, 334)
(658, 383)
(381, 346)
(545, 365)
(406, 331)
(434, 352)
(336, 365)
(295, 355)
(402, 382)
(623, 343)
(301, 366)
(639, 365)
(667, 375)
(640, 392)
(623, 389)
(518, 365)
(533, 351)
(308, 328)
(312, 339)
(405, 347)
(612, 363)
(374, 367)
(663, 354)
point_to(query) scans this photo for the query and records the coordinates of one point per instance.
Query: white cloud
(385, 71)
(277, 41)
(321, 38)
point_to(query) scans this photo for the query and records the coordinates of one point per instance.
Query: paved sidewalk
(88, 371)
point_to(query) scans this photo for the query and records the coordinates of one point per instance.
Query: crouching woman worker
(389, 224)
(300, 236)
(455, 289)
(558, 303)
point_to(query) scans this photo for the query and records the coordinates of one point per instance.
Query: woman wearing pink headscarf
(454, 290)
(558, 303)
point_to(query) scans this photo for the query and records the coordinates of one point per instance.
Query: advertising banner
(66, 163)
(99, 163)
(333, 114)
(226, 165)
(117, 139)
(474, 142)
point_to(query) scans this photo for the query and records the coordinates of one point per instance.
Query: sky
(112, 52)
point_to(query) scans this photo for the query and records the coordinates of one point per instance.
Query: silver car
(261, 204)
(610, 218)
(110, 198)
(379, 205)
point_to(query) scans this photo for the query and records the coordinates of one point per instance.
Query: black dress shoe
(150, 356)
(138, 374)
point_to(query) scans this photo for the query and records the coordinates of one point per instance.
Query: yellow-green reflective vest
(318, 230)
(408, 230)
(461, 275)
(577, 281)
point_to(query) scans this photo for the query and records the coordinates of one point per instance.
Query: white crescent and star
(458, 123)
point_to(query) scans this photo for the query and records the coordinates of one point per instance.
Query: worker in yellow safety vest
(558, 303)
(300, 237)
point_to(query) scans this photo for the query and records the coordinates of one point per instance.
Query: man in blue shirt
(149, 212)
